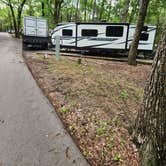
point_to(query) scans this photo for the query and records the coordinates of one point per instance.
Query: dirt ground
(97, 101)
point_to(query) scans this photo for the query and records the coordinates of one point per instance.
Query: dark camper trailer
(103, 36)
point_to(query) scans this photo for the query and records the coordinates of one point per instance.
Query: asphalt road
(31, 134)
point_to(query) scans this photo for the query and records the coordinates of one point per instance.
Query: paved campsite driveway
(30, 133)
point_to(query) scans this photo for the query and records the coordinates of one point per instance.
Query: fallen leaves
(96, 100)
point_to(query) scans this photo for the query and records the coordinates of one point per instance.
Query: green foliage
(102, 10)
(118, 157)
(72, 128)
(124, 94)
(100, 130)
(103, 153)
(116, 121)
(110, 145)
(64, 110)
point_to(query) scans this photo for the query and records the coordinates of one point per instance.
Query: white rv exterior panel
(64, 39)
(29, 26)
(42, 30)
(101, 40)
(30, 31)
(111, 36)
(143, 45)
(35, 27)
(29, 21)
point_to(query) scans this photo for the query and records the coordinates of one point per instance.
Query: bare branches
(23, 2)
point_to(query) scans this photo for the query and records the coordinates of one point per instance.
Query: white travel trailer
(103, 36)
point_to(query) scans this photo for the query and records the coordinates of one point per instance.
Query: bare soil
(97, 101)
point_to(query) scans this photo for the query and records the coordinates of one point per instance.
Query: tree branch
(5, 2)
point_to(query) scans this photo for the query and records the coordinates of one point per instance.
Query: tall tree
(43, 9)
(141, 18)
(77, 11)
(16, 16)
(126, 10)
(85, 9)
(57, 9)
(109, 10)
(101, 9)
(151, 119)
(94, 10)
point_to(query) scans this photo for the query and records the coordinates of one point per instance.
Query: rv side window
(89, 32)
(114, 31)
(144, 36)
(67, 32)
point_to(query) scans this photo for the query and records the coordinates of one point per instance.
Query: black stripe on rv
(151, 29)
(96, 45)
(107, 44)
(94, 39)
(139, 43)
(144, 43)
(61, 28)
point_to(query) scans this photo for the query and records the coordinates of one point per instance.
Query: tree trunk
(10, 20)
(57, 8)
(43, 9)
(109, 11)
(141, 18)
(126, 10)
(76, 13)
(101, 10)
(85, 10)
(19, 21)
(94, 11)
(14, 20)
(19, 13)
(151, 119)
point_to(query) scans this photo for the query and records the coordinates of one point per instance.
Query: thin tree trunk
(71, 14)
(126, 10)
(141, 18)
(19, 21)
(57, 8)
(50, 8)
(85, 10)
(151, 119)
(109, 12)
(94, 11)
(10, 20)
(14, 20)
(19, 13)
(101, 10)
(76, 13)
(43, 9)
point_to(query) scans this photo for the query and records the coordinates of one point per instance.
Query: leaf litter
(97, 102)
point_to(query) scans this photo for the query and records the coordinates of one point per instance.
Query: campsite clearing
(96, 100)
